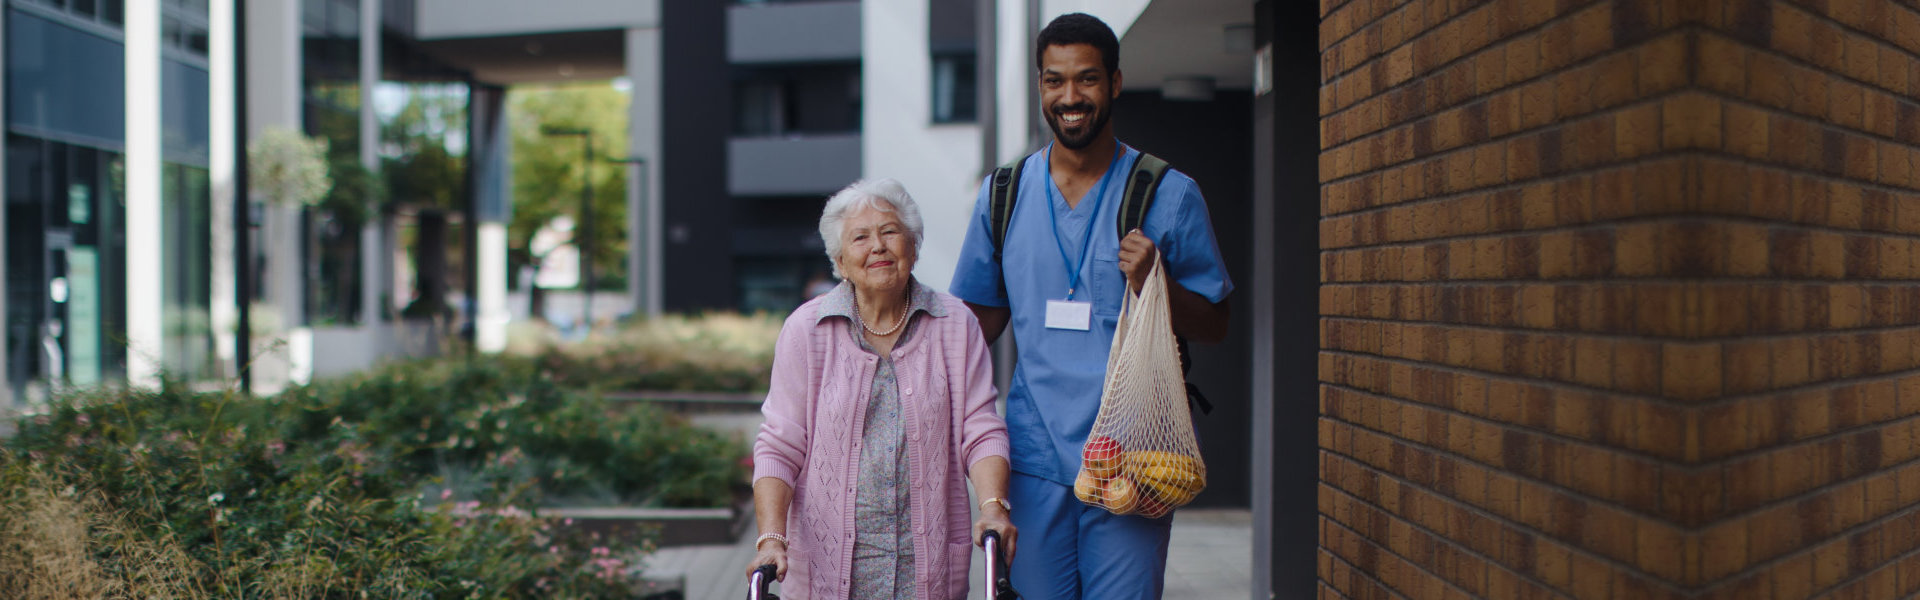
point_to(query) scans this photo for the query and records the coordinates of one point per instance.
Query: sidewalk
(1209, 559)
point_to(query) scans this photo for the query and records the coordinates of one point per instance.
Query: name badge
(1068, 314)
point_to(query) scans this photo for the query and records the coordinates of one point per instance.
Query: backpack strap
(1143, 181)
(1006, 190)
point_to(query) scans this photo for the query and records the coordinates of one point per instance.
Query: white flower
(289, 168)
(216, 498)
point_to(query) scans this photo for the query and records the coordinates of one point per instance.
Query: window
(761, 109)
(108, 13)
(330, 90)
(796, 100)
(951, 40)
(953, 89)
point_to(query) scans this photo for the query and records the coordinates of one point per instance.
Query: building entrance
(64, 253)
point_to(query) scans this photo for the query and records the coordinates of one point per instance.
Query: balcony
(793, 32)
(792, 166)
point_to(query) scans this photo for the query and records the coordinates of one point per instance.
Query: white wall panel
(939, 164)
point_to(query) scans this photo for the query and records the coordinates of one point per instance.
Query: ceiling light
(1187, 88)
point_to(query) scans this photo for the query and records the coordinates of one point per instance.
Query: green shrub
(340, 489)
(715, 352)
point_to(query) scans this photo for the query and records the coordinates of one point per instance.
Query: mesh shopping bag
(1141, 457)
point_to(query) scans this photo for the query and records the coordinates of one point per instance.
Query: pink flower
(609, 567)
(446, 493)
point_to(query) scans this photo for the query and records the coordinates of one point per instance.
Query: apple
(1151, 507)
(1101, 457)
(1120, 496)
(1087, 488)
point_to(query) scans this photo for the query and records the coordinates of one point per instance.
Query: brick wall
(1618, 298)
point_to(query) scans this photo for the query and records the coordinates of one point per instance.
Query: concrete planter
(675, 526)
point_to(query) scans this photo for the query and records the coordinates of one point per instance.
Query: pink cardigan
(815, 411)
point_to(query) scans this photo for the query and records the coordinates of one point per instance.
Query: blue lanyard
(1073, 268)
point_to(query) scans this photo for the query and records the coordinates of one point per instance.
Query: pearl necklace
(896, 324)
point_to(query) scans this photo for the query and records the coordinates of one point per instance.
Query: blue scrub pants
(1069, 550)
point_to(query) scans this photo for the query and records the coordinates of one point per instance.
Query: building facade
(122, 268)
(72, 305)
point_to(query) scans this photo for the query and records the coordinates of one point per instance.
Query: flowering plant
(288, 167)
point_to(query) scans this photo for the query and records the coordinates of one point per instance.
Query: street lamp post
(585, 229)
(639, 280)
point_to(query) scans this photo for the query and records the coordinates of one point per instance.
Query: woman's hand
(772, 552)
(997, 519)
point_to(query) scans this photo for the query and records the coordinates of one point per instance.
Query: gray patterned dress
(883, 532)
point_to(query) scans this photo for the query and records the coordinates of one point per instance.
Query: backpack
(1143, 183)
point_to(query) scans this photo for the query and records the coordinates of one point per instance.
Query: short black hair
(1079, 28)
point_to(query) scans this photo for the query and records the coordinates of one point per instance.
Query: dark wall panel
(697, 213)
(1292, 30)
(1209, 141)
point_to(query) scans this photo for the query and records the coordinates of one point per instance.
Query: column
(1014, 82)
(143, 229)
(487, 158)
(373, 282)
(272, 97)
(6, 387)
(222, 152)
(643, 193)
(1265, 228)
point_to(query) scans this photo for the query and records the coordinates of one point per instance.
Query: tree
(547, 170)
(423, 149)
(423, 159)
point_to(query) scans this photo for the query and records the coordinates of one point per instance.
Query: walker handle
(999, 581)
(758, 582)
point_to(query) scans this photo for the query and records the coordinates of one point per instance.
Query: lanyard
(1073, 268)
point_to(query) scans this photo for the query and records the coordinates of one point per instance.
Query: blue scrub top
(1057, 380)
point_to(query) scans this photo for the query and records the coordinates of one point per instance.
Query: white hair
(884, 195)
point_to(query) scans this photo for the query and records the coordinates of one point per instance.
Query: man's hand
(1193, 316)
(1136, 258)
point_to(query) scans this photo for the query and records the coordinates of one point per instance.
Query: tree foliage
(423, 148)
(549, 171)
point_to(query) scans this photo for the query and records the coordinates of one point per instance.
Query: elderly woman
(882, 398)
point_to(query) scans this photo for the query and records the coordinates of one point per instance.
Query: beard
(1090, 128)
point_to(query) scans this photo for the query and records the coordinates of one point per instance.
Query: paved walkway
(1209, 559)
